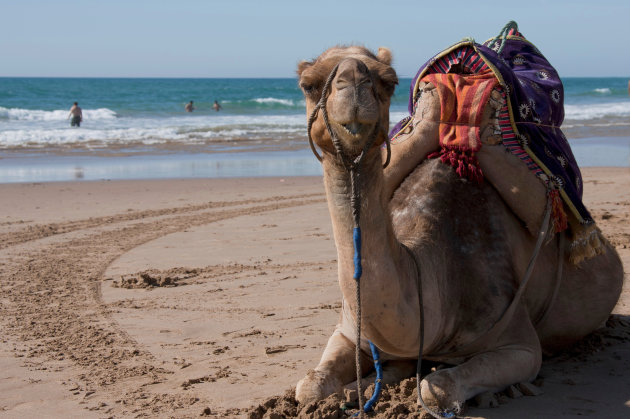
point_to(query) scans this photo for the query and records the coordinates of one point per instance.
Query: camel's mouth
(355, 129)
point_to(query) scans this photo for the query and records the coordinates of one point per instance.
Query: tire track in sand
(51, 294)
(39, 231)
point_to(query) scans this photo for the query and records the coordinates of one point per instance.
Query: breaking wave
(597, 110)
(18, 114)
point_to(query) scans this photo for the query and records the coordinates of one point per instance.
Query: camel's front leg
(514, 358)
(412, 148)
(336, 368)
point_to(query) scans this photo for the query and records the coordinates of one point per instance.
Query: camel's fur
(471, 249)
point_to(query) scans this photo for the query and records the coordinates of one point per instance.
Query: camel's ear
(384, 55)
(303, 65)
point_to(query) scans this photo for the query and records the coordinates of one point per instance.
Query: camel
(429, 230)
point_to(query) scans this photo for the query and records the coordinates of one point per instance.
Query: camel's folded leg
(419, 139)
(514, 358)
(336, 368)
(523, 192)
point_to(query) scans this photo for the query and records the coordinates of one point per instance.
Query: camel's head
(357, 97)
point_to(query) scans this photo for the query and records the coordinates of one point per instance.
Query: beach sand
(181, 298)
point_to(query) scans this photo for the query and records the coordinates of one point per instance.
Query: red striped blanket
(462, 100)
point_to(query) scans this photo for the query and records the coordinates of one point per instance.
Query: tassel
(558, 215)
(461, 169)
(434, 155)
(453, 160)
(587, 242)
(464, 162)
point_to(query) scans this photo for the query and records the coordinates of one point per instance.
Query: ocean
(262, 124)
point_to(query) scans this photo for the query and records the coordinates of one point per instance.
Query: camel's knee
(335, 369)
(315, 386)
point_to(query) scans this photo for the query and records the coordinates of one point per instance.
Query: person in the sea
(216, 106)
(189, 107)
(76, 114)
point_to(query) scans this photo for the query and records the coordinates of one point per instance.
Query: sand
(184, 298)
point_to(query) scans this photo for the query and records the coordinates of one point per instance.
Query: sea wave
(273, 100)
(152, 131)
(599, 110)
(603, 90)
(19, 114)
(49, 137)
(264, 102)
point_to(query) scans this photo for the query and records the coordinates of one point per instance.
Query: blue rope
(377, 383)
(356, 236)
(379, 377)
(358, 270)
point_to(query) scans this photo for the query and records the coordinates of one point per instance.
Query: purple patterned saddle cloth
(535, 105)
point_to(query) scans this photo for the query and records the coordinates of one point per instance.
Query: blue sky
(267, 38)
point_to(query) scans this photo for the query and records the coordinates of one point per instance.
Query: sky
(267, 38)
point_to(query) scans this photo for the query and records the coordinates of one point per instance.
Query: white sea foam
(599, 110)
(44, 137)
(55, 115)
(119, 131)
(286, 102)
(603, 90)
(102, 127)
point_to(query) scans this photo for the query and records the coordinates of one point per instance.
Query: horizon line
(224, 78)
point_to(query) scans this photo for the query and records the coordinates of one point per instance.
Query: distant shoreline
(24, 168)
(59, 164)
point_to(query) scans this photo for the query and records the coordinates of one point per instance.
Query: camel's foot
(316, 386)
(440, 392)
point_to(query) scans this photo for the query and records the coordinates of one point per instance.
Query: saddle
(493, 111)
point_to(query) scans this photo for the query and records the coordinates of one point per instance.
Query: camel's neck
(388, 284)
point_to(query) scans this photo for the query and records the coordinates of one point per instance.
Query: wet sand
(181, 298)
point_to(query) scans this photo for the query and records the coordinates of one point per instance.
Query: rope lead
(358, 271)
(355, 203)
(379, 377)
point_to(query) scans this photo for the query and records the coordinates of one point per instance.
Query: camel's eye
(308, 88)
